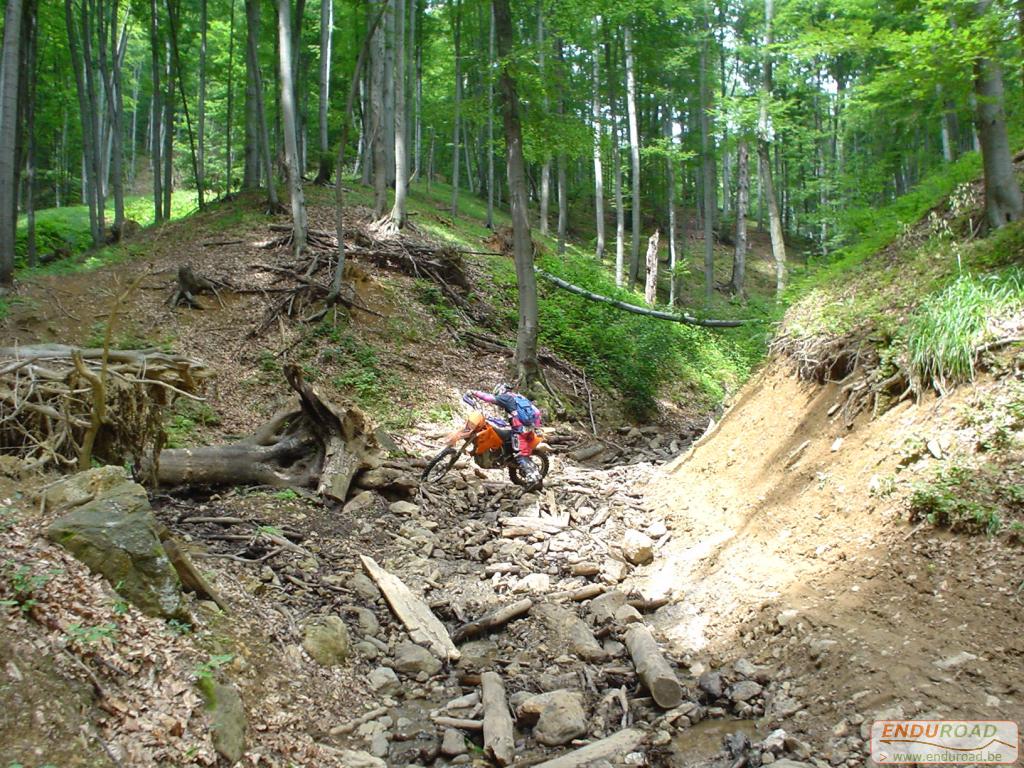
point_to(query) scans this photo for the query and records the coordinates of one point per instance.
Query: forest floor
(785, 584)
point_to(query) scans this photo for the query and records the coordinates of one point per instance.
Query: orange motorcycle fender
(487, 440)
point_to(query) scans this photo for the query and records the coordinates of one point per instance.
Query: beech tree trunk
(651, 284)
(670, 181)
(156, 113)
(323, 175)
(457, 31)
(598, 170)
(401, 161)
(231, 103)
(545, 171)
(8, 129)
(708, 165)
(252, 12)
(377, 155)
(291, 147)
(201, 104)
(764, 154)
(563, 198)
(634, 155)
(490, 121)
(739, 259)
(527, 366)
(1003, 200)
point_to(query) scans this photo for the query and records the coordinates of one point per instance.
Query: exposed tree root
(190, 285)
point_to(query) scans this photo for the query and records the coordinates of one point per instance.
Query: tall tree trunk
(168, 153)
(252, 13)
(8, 130)
(291, 146)
(231, 103)
(251, 151)
(634, 155)
(739, 258)
(708, 165)
(527, 366)
(457, 31)
(401, 162)
(389, 95)
(201, 104)
(378, 156)
(174, 22)
(764, 154)
(93, 115)
(595, 107)
(418, 131)
(620, 214)
(563, 197)
(651, 282)
(490, 121)
(31, 61)
(1003, 200)
(545, 171)
(156, 109)
(670, 181)
(323, 175)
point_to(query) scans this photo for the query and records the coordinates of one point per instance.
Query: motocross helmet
(500, 389)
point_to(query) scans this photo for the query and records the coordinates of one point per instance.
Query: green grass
(68, 227)
(943, 336)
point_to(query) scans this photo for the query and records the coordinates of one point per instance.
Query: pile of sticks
(60, 403)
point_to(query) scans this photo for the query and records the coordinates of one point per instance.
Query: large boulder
(81, 487)
(115, 535)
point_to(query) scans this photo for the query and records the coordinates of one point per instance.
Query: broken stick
(652, 668)
(499, 740)
(492, 620)
(424, 627)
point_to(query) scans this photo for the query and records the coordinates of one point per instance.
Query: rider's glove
(468, 399)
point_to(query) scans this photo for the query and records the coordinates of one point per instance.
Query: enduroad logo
(944, 741)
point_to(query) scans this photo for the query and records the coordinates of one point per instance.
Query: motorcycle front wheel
(540, 464)
(439, 465)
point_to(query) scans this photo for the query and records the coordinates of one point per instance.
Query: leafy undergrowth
(640, 359)
(67, 228)
(980, 489)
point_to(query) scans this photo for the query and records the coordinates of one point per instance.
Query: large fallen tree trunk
(683, 318)
(310, 444)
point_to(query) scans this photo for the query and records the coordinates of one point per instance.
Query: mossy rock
(115, 535)
(227, 718)
(327, 640)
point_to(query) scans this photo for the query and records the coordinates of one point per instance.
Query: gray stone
(115, 535)
(413, 659)
(637, 547)
(613, 571)
(744, 690)
(368, 623)
(560, 716)
(351, 758)
(366, 650)
(359, 502)
(744, 668)
(453, 743)
(326, 639)
(956, 660)
(82, 487)
(603, 607)
(711, 683)
(627, 614)
(384, 681)
(227, 718)
(363, 586)
(775, 742)
(403, 508)
(785, 618)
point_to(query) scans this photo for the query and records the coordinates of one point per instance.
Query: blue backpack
(521, 408)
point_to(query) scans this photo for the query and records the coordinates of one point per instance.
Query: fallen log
(499, 737)
(652, 668)
(309, 444)
(424, 627)
(462, 723)
(605, 749)
(657, 314)
(492, 620)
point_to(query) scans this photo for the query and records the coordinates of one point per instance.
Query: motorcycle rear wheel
(439, 465)
(540, 462)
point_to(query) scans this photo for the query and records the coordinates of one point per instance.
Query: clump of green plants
(944, 335)
(967, 499)
(430, 296)
(188, 415)
(94, 634)
(21, 585)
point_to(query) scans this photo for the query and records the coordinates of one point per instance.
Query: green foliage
(286, 495)
(960, 498)
(637, 356)
(186, 417)
(943, 336)
(21, 584)
(90, 635)
(428, 294)
(207, 669)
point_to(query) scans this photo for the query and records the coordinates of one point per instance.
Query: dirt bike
(490, 444)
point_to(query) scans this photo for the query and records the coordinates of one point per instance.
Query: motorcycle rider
(524, 417)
